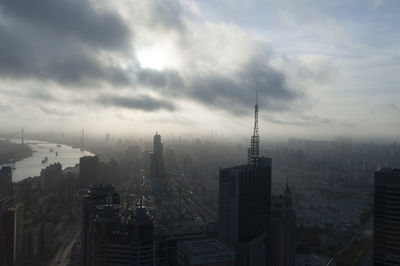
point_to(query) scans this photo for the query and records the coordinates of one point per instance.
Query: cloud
(167, 79)
(74, 18)
(307, 120)
(63, 41)
(56, 111)
(91, 48)
(169, 14)
(144, 103)
(41, 95)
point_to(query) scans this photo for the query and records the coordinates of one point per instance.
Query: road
(67, 240)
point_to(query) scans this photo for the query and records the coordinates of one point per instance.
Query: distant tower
(22, 136)
(253, 151)
(83, 139)
(157, 164)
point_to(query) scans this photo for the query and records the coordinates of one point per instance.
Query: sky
(321, 69)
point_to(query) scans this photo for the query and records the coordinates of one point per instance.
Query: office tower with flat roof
(386, 239)
(157, 173)
(244, 205)
(98, 194)
(121, 240)
(283, 230)
(205, 251)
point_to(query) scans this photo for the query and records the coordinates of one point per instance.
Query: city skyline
(322, 70)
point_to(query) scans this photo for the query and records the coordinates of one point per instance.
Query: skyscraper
(244, 205)
(50, 176)
(5, 182)
(88, 171)
(13, 224)
(157, 164)
(122, 240)
(387, 217)
(98, 195)
(283, 230)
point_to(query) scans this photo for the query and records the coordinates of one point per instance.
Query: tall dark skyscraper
(157, 164)
(98, 195)
(5, 182)
(283, 230)
(244, 205)
(88, 171)
(13, 224)
(122, 240)
(387, 217)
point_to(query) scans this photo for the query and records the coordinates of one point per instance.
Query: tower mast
(253, 152)
(83, 139)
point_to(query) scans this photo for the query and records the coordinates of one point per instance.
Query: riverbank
(43, 155)
(13, 152)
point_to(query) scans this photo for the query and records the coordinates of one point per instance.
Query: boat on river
(45, 160)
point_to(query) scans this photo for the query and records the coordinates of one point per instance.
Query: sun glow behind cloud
(156, 57)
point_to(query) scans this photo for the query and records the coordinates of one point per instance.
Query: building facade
(13, 225)
(120, 240)
(98, 194)
(283, 230)
(386, 239)
(88, 171)
(6, 187)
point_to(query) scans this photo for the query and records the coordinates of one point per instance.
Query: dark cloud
(75, 18)
(61, 41)
(167, 79)
(144, 102)
(64, 41)
(233, 92)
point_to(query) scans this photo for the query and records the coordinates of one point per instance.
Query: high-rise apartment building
(13, 226)
(157, 171)
(66, 190)
(283, 230)
(50, 176)
(386, 217)
(5, 182)
(244, 205)
(88, 171)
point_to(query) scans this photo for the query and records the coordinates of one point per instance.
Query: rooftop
(204, 246)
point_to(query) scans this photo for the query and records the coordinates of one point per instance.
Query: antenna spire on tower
(83, 139)
(253, 152)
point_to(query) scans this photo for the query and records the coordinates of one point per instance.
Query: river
(32, 166)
